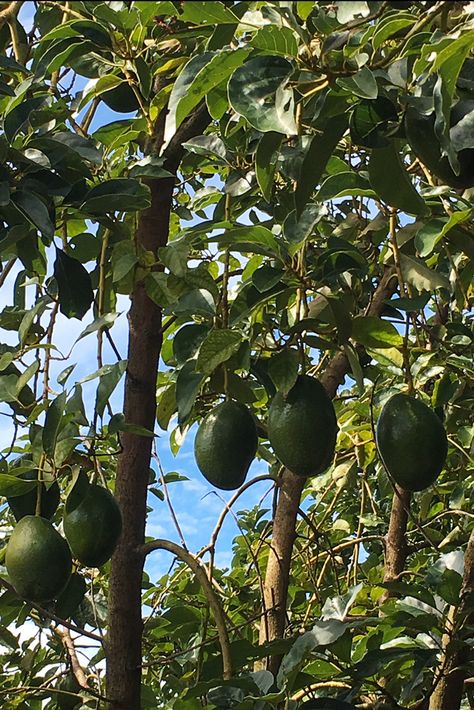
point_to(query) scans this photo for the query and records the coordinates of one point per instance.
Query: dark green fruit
(26, 503)
(225, 445)
(187, 340)
(38, 559)
(422, 139)
(121, 99)
(411, 441)
(302, 427)
(327, 704)
(68, 601)
(68, 684)
(92, 525)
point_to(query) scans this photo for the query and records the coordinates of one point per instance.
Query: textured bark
(449, 691)
(124, 641)
(273, 622)
(396, 549)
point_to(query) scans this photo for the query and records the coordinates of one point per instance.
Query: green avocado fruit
(121, 99)
(72, 595)
(25, 504)
(302, 427)
(68, 685)
(225, 445)
(411, 441)
(38, 559)
(92, 525)
(421, 136)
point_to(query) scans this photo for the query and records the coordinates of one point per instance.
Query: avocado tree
(279, 195)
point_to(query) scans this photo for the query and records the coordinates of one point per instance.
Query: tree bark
(124, 641)
(273, 622)
(450, 688)
(396, 549)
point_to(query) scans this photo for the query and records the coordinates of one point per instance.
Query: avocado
(72, 595)
(65, 701)
(225, 445)
(302, 427)
(26, 504)
(38, 559)
(92, 524)
(420, 132)
(121, 98)
(411, 441)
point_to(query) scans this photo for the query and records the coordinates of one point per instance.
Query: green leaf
(188, 384)
(362, 84)
(297, 230)
(266, 277)
(118, 195)
(349, 11)
(391, 182)
(166, 406)
(257, 91)
(317, 155)
(207, 13)
(256, 239)
(374, 332)
(276, 40)
(11, 486)
(52, 423)
(266, 157)
(207, 145)
(35, 211)
(343, 184)
(389, 26)
(217, 347)
(74, 286)
(112, 374)
(105, 321)
(283, 369)
(418, 275)
(356, 369)
(196, 80)
(432, 232)
(198, 301)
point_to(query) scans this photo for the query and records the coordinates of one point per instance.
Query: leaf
(74, 286)
(374, 332)
(431, 233)
(338, 607)
(52, 422)
(166, 406)
(207, 13)
(105, 321)
(198, 301)
(118, 195)
(196, 80)
(207, 146)
(257, 92)
(361, 84)
(276, 40)
(188, 384)
(266, 157)
(389, 26)
(355, 366)
(349, 11)
(418, 275)
(266, 277)
(11, 486)
(217, 347)
(316, 158)
(35, 211)
(249, 238)
(343, 184)
(391, 182)
(283, 369)
(297, 230)
(107, 383)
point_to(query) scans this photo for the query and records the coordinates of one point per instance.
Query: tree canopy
(274, 189)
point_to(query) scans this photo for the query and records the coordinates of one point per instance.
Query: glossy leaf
(74, 286)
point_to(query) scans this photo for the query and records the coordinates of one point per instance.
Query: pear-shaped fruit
(38, 559)
(121, 99)
(26, 504)
(65, 700)
(302, 427)
(225, 445)
(411, 441)
(92, 523)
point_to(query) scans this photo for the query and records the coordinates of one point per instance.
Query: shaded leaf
(374, 332)
(52, 423)
(217, 347)
(74, 286)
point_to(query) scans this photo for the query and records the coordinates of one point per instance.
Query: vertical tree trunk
(124, 640)
(273, 622)
(450, 688)
(396, 549)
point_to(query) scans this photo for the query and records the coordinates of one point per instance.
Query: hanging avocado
(302, 427)
(38, 559)
(26, 504)
(420, 132)
(121, 98)
(225, 445)
(411, 441)
(92, 522)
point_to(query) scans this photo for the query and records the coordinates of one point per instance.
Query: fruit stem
(39, 487)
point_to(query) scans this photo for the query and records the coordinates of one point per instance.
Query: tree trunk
(273, 622)
(449, 691)
(396, 550)
(124, 640)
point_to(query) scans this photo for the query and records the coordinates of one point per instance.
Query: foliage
(302, 193)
